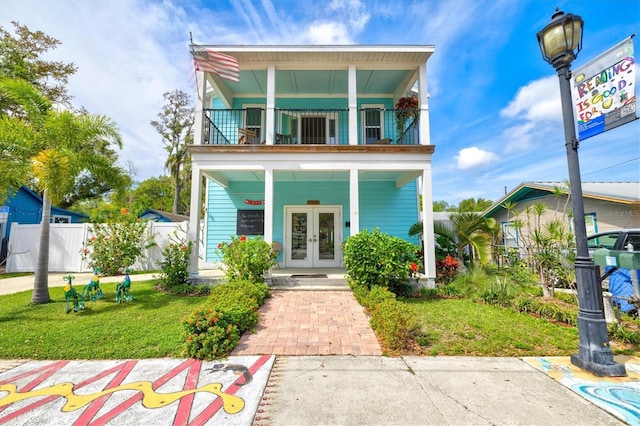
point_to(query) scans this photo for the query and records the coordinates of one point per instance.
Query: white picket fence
(65, 244)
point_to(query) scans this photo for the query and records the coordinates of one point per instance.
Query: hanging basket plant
(405, 107)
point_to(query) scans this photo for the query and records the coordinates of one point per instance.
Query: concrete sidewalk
(18, 284)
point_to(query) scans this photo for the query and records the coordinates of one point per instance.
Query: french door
(313, 236)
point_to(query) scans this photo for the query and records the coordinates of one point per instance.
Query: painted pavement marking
(157, 391)
(620, 396)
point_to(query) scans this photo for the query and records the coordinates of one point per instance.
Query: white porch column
(193, 234)
(427, 227)
(271, 104)
(353, 107)
(423, 100)
(268, 205)
(198, 124)
(354, 202)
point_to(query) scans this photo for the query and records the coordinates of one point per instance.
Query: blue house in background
(308, 145)
(161, 216)
(25, 207)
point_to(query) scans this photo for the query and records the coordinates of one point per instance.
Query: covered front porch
(310, 202)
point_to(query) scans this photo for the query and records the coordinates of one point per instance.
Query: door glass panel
(326, 236)
(299, 236)
(313, 130)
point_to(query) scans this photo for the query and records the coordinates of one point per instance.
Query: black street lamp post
(560, 41)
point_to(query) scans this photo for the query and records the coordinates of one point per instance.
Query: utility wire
(609, 167)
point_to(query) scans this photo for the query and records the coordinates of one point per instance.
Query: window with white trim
(372, 123)
(509, 235)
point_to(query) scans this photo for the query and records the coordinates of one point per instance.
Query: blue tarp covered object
(621, 287)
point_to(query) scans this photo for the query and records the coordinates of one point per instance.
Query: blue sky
(494, 105)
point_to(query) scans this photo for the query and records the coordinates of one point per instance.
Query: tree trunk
(547, 291)
(176, 192)
(41, 282)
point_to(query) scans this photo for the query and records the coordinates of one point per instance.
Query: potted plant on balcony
(405, 107)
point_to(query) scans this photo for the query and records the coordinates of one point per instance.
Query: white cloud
(536, 114)
(537, 101)
(328, 33)
(344, 20)
(475, 158)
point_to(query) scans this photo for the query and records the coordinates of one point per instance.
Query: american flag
(218, 63)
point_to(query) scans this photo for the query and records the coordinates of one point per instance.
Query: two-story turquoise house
(310, 146)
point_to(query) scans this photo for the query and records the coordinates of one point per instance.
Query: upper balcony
(311, 127)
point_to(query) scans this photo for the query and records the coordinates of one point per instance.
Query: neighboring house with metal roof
(162, 216)
(607, 206)
(309, 147)
(25, 207)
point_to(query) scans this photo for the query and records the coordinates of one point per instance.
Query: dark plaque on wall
(250, 222)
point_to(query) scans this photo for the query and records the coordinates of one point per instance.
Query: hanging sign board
(603, 91)
(250, 222)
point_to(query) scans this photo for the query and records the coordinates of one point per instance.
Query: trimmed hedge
(213, 330)
(394, 322)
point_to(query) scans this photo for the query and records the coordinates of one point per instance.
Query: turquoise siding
(392, 210)
(382, 205)
(222, 211)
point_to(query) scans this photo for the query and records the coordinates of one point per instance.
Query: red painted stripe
(92, 409)
(138, 397)
(186, 402)
(215, 406)
(48, 370)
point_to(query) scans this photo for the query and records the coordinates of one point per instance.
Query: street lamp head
(561, 40)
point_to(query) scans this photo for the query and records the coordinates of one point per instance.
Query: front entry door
(313, 236)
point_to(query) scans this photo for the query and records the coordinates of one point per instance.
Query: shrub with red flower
(116, 241)
(446, 269)
(175, 260)
(246, 258)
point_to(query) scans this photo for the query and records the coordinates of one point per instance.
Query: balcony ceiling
(315, 82)
(315, 70)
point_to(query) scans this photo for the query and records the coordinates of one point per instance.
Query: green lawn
(463, 327)
(148, 327)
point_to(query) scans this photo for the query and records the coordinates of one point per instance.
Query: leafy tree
(154, 193)
(473, 205)
(441, 206)
(175, 124)
(20, 58)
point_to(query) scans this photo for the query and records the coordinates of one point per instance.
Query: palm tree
(70, 144)
(466, 229)
(473, 231)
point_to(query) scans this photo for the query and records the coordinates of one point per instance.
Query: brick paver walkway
(310, 323)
